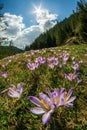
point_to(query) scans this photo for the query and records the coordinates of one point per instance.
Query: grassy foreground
(15, 113)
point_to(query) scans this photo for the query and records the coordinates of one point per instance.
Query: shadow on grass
(55, 125)
(20, 126)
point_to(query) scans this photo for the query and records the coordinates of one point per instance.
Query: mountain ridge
(8, 51)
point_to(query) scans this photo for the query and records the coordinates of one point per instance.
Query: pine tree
(82, 7)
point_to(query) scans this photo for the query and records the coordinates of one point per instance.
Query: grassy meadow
(15, 113)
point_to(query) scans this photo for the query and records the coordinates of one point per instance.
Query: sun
(38, 9)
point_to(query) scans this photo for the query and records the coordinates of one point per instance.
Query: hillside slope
(39, 70)
(8, 51)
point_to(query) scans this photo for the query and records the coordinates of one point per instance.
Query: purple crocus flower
(51, 65)
(44, 106)
(65, 58)
(51, 58)
(76, 66)
(71, 76)
(15, 92)
(40, 60)
(60, 55)
(5, 74)
(67, 99)
(52, 61)
(32, 66)
(56, 96)
(55, 61)
(79, 81)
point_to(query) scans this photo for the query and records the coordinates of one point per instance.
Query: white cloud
(47, 25)
(44, 18)
(13, 24)
(21, 36)
(27, 36)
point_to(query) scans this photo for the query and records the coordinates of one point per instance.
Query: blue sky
(24, 8)
(25, 20)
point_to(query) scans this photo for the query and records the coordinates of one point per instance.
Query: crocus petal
(44, 97)
(48, 92)
(15, 92)
(14, 95)
(61, 101)
(46, 117)
(35, 100)
(5, 74)
(20, 88)
(75, 75)
(70, 93)
(66, 75)
(69, 105)
(61, 97)
(9, 94)
(37, 110)
(3, 91)
(71, 99)
(55, 93)
(11, 90)
(62, 91)
(79, 81)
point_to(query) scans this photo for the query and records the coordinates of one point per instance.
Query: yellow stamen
(71, 76)
(56, 100)
(44, 104)
(13, 88)
(65, 94)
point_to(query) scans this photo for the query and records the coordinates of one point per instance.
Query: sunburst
(38, 9)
